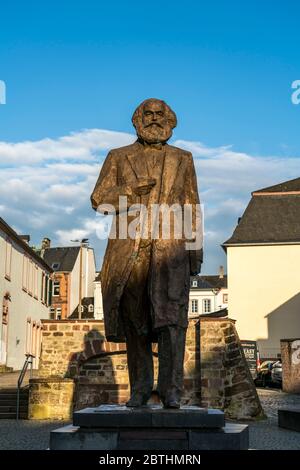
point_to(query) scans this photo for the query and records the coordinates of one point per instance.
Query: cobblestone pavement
(264, 434)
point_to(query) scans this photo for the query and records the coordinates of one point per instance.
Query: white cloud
(45, 186)
(79, 146)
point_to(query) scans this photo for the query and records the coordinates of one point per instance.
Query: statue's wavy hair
(171, 116)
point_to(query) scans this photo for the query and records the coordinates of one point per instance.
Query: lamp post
(83, 244)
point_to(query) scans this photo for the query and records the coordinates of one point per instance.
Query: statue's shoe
(137, 400)
(172, 400)
(172, 404)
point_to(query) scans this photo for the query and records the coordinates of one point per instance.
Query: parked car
(264, 374)
(276, 373)
(270, 374)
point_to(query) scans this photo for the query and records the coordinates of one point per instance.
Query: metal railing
(28, 361)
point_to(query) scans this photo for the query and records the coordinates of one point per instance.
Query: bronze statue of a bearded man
(145, 280)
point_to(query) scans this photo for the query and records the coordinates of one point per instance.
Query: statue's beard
(154, 133)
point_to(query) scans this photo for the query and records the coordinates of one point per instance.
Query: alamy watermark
(295, 97)
(2, 92)
(154, 221)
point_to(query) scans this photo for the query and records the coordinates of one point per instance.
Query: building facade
(73, 279)
(208, 294)
(263, 257)
(24, 293)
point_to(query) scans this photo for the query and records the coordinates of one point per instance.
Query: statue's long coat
(171, 264)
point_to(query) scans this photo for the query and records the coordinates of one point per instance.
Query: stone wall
(290, 357)
(51, 399)
(77, 350)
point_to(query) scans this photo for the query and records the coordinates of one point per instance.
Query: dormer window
(195, 283)
(55, 266)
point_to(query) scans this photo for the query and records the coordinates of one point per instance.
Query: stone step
(13, 391)
(12, 401)
(5, 369)
(13, 415)
(12, 408)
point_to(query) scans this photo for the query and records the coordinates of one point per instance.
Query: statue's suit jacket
(171, 263)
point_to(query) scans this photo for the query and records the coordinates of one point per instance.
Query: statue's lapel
(136, 162)
(171, 166)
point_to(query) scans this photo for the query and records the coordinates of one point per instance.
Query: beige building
(24, 293)
(263, 257)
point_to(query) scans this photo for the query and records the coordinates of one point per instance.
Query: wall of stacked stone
(290, 357)
(76, 352)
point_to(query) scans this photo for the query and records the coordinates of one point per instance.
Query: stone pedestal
(113, 427)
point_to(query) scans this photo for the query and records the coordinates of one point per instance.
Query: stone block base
(150, 428)
(230, 437)
(289, 419)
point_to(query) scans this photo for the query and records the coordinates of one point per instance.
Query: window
(25, 272)
(195, 283)
(91, 308)
(52, 313)
(55, 266)
(8, 252)
(42, 288)
(36, 282)
(48, 291)
(225, 298)
(58, 313)
(194, 306)
(30, 277)
(56, 286)
(206, 305)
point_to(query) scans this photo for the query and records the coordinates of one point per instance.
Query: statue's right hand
(144, 186)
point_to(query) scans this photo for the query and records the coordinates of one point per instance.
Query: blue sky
(225, 67)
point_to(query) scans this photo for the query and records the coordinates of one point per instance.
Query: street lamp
(83, 243)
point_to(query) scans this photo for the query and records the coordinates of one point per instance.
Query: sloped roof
(286, 186)
(17, 239)
(86, 302)
(65, 257)
(209, 281)
(272, 216)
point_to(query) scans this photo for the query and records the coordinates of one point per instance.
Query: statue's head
(154, 120)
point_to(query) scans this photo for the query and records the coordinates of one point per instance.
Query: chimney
(46, 243)
(25, 238)
(221, 272)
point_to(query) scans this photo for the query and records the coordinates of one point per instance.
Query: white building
(263, 259)
(24, 292)
(208, 294)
